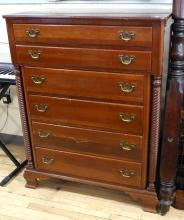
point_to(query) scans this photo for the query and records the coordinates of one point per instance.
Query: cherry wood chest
(89, 89)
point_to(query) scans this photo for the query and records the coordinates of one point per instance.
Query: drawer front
(86, 34)
(84, 58)
(77, 83)
(89, 167)
(117, 117)
(85, 141)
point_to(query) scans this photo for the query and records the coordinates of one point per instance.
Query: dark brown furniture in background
(179, 197)
(172, 156)
(90, 97)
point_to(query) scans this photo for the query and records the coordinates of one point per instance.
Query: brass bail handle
(127, 87)
(43, 134)
(127, 118)
(125, 146)
(126, 36)
(32, 33)
(38, 80)
(47, 160)
(41, 107)
(126, 59)
(127, 173)
(35, 54)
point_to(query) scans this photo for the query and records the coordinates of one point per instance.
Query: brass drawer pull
(125, 146)
(41, 107)
(127, 118)
(43, 134)
(127, 173)
(47, 160)
(127, 88)
(38, 80)
(32, 33)
(35, 54)
(126, 60)
(126, 36)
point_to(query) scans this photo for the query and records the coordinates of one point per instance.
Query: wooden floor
(62, 200)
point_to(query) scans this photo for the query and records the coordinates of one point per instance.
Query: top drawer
(84, 34)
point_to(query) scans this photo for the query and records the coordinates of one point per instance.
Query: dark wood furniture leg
(174, 102)
(179, 196)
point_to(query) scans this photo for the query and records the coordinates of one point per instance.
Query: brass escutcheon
(41, 107)
(47, 160)
(127, 173)
(44, 134)
(127, 146)
(126, 59)
(127, 87)
(38, 80)
(126, 36)
(35, 54)
(32, 33)
(127, 118)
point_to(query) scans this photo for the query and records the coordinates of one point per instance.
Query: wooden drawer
(76, 83)
(115, 117)
(64, 57)
(85, 141)
(84, 34)
(89, 167)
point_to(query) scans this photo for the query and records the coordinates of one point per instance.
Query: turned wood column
(155, 131)
(174, 102)
(26, 137)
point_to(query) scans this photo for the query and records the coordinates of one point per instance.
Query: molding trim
(24, 120)
(155, 130)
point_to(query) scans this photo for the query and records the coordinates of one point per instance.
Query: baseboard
(11, 139)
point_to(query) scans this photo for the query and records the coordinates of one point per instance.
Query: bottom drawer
(89, 167)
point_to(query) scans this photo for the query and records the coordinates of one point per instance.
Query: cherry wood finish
(88, 84)
(85, 35)
(72, 139)
(101, 115)
(94, 168)
(92, 98)
(83, 58)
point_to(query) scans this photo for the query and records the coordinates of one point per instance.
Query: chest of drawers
(90, 98)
